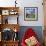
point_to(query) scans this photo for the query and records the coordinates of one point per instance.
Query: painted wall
(26, 3)
(31, 3)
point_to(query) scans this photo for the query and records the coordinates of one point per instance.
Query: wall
(7, 3)
(26, 3)
(31, 3)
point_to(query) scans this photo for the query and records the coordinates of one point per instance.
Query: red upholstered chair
(29, 33)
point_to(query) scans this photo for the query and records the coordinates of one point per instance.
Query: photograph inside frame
(31, 13)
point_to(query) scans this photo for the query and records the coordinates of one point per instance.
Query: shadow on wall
(37, 29)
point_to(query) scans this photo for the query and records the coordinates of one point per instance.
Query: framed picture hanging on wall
(30, 13)
(5, 12)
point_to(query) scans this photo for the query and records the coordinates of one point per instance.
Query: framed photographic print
(5, 12)
(31, 13)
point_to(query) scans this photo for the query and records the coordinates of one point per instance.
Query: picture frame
(30, 13)
(5, 12)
